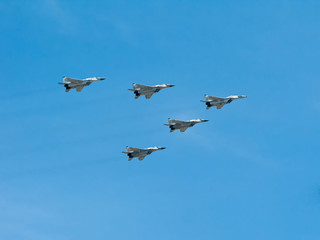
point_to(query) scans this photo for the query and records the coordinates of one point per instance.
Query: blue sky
(251, 172)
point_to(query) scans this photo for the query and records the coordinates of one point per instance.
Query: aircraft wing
(148, 95)
(142, 87)
(73, 80)
(132, 149)
(215, 98)
(183, 129)
(176, 121)
(220, 105)
(141, 157)
(79, 89)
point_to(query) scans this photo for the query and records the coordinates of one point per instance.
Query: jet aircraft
(78, 84)
(183, 125)
(147, 91)
(219, 102)
(140, 153)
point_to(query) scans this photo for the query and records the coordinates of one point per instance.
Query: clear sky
(251, 172)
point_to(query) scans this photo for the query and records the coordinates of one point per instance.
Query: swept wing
(183, 129)
(148, 95)
(220, 105)
(215, 98)
(79, 89)
(176, 121)
(132, 149)
(72, 80)
(142, 87)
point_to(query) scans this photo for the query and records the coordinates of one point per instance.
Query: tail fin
(206, 98)
(169, 122)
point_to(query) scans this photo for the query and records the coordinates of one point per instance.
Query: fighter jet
(140, 153)
(78, 84)
(147, 91)
(183, 125)
(219, 102)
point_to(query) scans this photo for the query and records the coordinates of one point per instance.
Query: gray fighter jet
(140, 153)
(219, 102)
(183, 125)
(78, 84)
(147, 91)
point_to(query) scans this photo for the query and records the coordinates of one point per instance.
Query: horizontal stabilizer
(127, 152)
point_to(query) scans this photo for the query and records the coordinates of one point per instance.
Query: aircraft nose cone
(170, 85)
(161, 148)
(205, 120)
(102, 79)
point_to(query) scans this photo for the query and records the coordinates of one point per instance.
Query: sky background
(251, 172)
